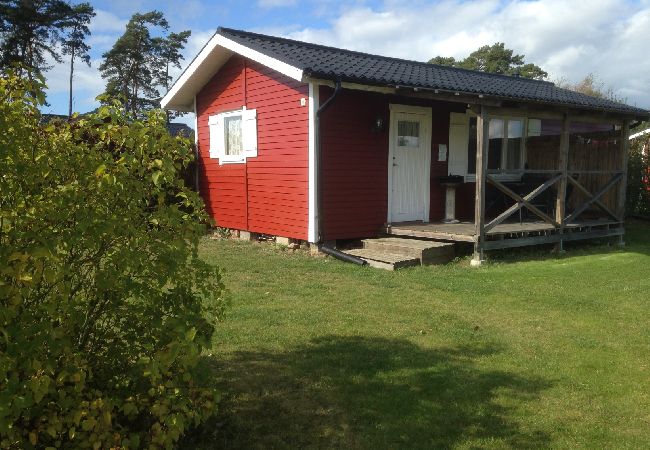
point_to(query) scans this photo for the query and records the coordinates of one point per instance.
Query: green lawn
(529, 352)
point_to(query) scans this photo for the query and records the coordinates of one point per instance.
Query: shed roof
(301, 59)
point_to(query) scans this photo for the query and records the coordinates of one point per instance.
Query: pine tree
(495, 58)
(31, 31)
(169, 55)
(137, 67)
(74, 43)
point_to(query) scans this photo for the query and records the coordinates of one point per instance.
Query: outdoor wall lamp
(378, 124)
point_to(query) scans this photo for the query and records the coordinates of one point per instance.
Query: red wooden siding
(355, 162)
(269, 193)
(439, 136)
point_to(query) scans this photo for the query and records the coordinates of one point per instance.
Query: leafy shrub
(104, 303)
(638, 195)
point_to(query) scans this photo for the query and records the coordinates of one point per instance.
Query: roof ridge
(392, 58)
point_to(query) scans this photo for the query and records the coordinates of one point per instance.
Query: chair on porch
(545, 201)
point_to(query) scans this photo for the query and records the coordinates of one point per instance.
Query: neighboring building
(180, 129)
(174, 128)
(47, 118)
(319, 144)
(644, 135)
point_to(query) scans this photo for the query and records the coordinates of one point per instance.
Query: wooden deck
(507, 235)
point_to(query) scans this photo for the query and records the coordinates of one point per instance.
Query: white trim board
(196, 124)
(314, 103)
(213, 55)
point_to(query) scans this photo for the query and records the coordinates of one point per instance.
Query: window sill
(228, 160)
(232, 160)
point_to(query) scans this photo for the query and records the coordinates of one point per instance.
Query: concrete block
(283, 240)
(247, 236)
(476, 261)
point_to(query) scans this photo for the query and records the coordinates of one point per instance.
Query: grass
(530, 351)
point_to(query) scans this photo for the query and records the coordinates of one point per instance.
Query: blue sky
(569, 39)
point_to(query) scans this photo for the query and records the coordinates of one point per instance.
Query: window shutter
(458, 141)
(249, 132)
(216, 136)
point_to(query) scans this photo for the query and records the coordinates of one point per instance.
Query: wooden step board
(383, 260)
(428, 252)
(392, 253)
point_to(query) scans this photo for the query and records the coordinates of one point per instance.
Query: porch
(560, 177)
(510, 235)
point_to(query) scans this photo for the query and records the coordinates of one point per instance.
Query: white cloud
(569, 39)
(196, 42)
(275, 3)
(87, 83)
(106, 22)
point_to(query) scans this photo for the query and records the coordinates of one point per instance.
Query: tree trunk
(134, 98)
(167, 88)
(71, 76)
(29, 62)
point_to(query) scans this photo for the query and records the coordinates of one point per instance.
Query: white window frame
(217, 132)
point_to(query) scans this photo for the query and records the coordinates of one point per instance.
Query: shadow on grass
(355, 392)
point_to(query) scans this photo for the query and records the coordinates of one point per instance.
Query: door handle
(395, 165)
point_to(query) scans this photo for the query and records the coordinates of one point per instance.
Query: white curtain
(233, 135)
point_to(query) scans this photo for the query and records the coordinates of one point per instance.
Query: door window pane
(408, 133)
(233, 135)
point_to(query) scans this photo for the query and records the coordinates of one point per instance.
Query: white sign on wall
(442, 152)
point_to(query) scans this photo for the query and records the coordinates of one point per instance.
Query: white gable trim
(192, 80)
(279, 66)
(639, 134)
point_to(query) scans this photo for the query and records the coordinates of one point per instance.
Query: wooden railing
(522, 202)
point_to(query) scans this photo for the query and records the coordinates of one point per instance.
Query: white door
(409, 164)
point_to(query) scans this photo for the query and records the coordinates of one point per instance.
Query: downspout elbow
(329, 101)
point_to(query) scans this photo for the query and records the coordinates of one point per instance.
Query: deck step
(382, 259)
(427, 252)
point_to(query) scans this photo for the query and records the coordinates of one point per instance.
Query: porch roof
(318, 61)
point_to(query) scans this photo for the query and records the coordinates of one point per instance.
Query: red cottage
(322, 144)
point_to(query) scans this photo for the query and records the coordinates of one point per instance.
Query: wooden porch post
(482, 143)
(622, 189)
(560, 201)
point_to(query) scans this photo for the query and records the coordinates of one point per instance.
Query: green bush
(105, 306)
(638, 195)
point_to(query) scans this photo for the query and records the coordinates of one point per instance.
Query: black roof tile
(331, 63)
